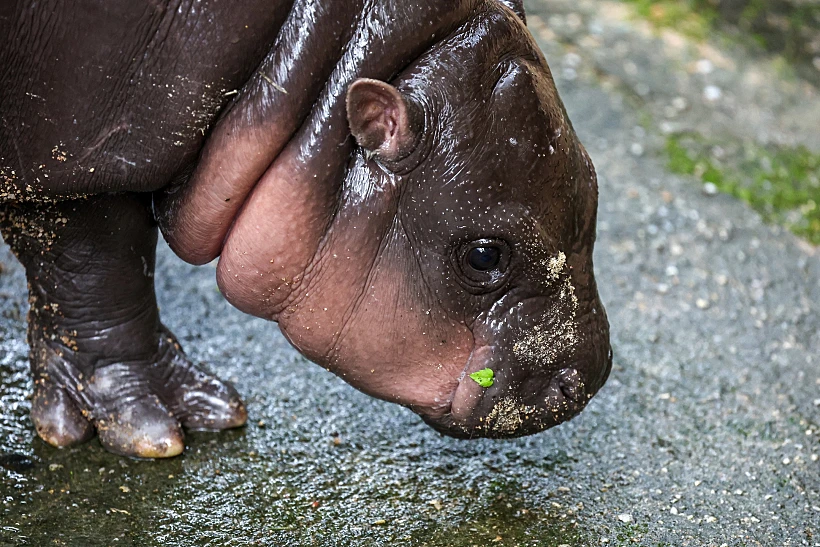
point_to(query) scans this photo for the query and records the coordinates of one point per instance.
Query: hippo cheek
(393, 354)
(387, 338)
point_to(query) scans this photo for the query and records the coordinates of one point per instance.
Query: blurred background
(787, 28)
(783, 184)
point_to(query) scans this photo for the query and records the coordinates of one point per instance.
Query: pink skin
(286, 202)
(417, 366)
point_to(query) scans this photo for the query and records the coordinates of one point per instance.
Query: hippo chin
(398, 186)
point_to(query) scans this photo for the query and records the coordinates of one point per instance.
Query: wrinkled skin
(404, 235)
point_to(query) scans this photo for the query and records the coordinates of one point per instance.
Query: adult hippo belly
(428, 239)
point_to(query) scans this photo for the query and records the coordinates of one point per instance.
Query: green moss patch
(693, 18)
(788, 28)
(782, 184)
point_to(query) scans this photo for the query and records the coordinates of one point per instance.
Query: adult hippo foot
(137, 408)
(101, 359)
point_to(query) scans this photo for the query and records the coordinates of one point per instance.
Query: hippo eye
(484, 258)
(482, 264)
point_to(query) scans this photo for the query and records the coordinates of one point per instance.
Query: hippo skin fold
(394, 182)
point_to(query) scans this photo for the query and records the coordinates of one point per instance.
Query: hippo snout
(500, 411)
(546, 359)
(515, 407)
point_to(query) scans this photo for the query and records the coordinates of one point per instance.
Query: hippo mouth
(511, 406)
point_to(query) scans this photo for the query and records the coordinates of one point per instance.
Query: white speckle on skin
(555, 265)
(126, 161)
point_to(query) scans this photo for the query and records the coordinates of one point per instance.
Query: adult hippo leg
(100, 357)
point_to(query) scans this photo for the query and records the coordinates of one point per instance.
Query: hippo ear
(518, 7)
(380, 119)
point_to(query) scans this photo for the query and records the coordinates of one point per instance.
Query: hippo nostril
(570, 384)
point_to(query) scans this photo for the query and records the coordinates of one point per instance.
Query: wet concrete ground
(707, 433)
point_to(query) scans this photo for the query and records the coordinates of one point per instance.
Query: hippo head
(460, 240)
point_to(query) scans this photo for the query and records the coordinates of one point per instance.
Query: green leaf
(484, 378)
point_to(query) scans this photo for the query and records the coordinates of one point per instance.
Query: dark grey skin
(404, 235)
